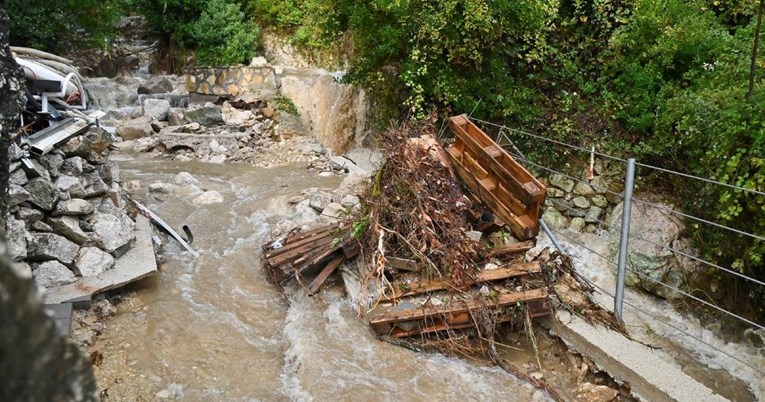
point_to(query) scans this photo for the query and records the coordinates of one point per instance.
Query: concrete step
(650, 377)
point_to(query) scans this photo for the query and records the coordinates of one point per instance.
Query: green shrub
(58, 26)
(217, 30)
(222, 35)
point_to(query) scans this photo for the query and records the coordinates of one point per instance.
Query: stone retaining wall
(579, 205)
(230, 81)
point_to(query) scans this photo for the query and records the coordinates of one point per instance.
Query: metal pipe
(624, 239)
(551, 236)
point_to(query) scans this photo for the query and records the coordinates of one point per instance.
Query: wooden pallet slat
(491, 275)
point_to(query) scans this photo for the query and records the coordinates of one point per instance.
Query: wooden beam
(324, 274)
(514, 248)
(491, 275)
(457, 307)
(299, 251)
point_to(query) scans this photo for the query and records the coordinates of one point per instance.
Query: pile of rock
(245, 130)
(578, 205)
(67, 217)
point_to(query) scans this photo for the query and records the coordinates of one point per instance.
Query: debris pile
(433, 257)
(68, 225)
(246, 129)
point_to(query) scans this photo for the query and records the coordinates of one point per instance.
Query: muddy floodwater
(215, 329)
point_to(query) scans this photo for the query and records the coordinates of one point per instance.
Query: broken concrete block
(92, 261)
(17, 195)
(42, 193)
(53, 273)
(74, 206)
(17, 241)
(69, 227)
(112, 231)
(50, 246)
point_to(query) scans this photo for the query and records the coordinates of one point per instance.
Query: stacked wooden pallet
(320, 250)
(424, 306)
(494, 177)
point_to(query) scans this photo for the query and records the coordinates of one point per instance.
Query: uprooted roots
(416, 209)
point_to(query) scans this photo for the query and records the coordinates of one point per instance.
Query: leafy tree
(222, 36)
(59, 25)
(217, 30)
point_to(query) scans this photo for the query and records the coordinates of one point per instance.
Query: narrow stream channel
(214, 328)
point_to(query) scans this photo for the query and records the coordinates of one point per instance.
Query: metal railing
(623, 265)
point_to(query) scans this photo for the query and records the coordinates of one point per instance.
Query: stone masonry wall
(236, 81)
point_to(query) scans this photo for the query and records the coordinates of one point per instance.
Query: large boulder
(208, 197)
(92, 261)
(112, 231)
(206, 115)
(156, 85)
(157, 109)
(648, 261)
(136, 128)
(42, 193)
(50, 246)
(52, 273)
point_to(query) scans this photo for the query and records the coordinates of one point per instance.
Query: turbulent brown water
(214, 329)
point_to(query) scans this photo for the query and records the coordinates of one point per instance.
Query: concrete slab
(650, 377)
(62, 316)
(137, 263)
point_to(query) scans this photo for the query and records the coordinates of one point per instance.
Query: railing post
(624, 239)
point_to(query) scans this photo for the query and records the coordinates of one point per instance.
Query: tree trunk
(753, 65)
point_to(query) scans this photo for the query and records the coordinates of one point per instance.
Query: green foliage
(217, 30)
(285, 104)
(663, 81)
(222, 36)
(58, 26)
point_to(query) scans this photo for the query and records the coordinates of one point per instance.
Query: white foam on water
(333, 355)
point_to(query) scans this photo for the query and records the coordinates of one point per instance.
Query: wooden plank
(298, 237)
(296, 244)
(510, 200)
(491, 275)
(493, 151)
(455, 307)
(440, 325)
(299, 251)
(324, 274)
(490, 184)
(403, 264)
(515, 248)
